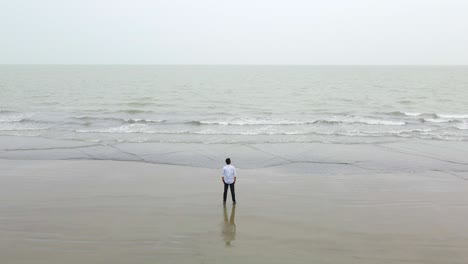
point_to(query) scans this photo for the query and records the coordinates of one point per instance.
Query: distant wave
(290, 133)
(143, 121)
(398, 113)
(254, 122)
(434, 120)
(134, 111)
(132, 128)
(122, 120)
(403, 131)
(455, 116)
(144, 129)
(332, 120)
(248, 133)
(366, 121)
(412, 114)
(125, 130)
(22, 126)
(92, 117)
(437, 120)
(463, 126)
(407, 114)
(434, 115)
(10, 116)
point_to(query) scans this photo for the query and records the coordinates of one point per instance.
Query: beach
(336, 164)
(400, 203)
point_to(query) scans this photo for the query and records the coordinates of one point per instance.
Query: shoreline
(401, 156)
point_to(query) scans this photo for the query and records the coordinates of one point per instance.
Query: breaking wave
(332, 120)
(122, 120)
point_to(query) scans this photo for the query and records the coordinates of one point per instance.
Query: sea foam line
(332, 120)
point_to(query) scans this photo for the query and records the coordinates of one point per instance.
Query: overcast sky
(234, 32)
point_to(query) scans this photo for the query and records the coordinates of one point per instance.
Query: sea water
(235, 104)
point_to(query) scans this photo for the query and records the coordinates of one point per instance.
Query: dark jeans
(233, 194)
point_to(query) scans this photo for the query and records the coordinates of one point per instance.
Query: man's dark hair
(228, 161)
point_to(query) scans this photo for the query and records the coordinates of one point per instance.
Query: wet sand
(83, 211)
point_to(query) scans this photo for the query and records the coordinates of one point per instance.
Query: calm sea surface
(234, 104)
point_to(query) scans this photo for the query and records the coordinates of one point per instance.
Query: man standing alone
(229, 179)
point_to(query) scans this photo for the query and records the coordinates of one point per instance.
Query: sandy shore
(132, 212)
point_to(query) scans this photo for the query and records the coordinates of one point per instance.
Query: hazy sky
(234, 32)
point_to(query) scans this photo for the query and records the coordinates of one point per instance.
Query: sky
(324, 32)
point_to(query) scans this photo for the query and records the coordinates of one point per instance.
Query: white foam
(246, 133)
(412, 114)
(383, 122)
(433, 120)
(397, 132)
(22, 127)
(144, 129)
(365, 120)
(249, 121)
(456, 116)
(463, 126)
(417, 130)
(131, 128)
(8, 117)
(137, 120)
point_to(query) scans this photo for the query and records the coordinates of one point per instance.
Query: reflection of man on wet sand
(229, 227)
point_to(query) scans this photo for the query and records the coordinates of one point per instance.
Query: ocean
(234, 104)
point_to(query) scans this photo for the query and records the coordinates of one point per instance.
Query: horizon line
(223, 64)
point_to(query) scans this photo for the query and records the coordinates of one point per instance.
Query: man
(229, 179)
